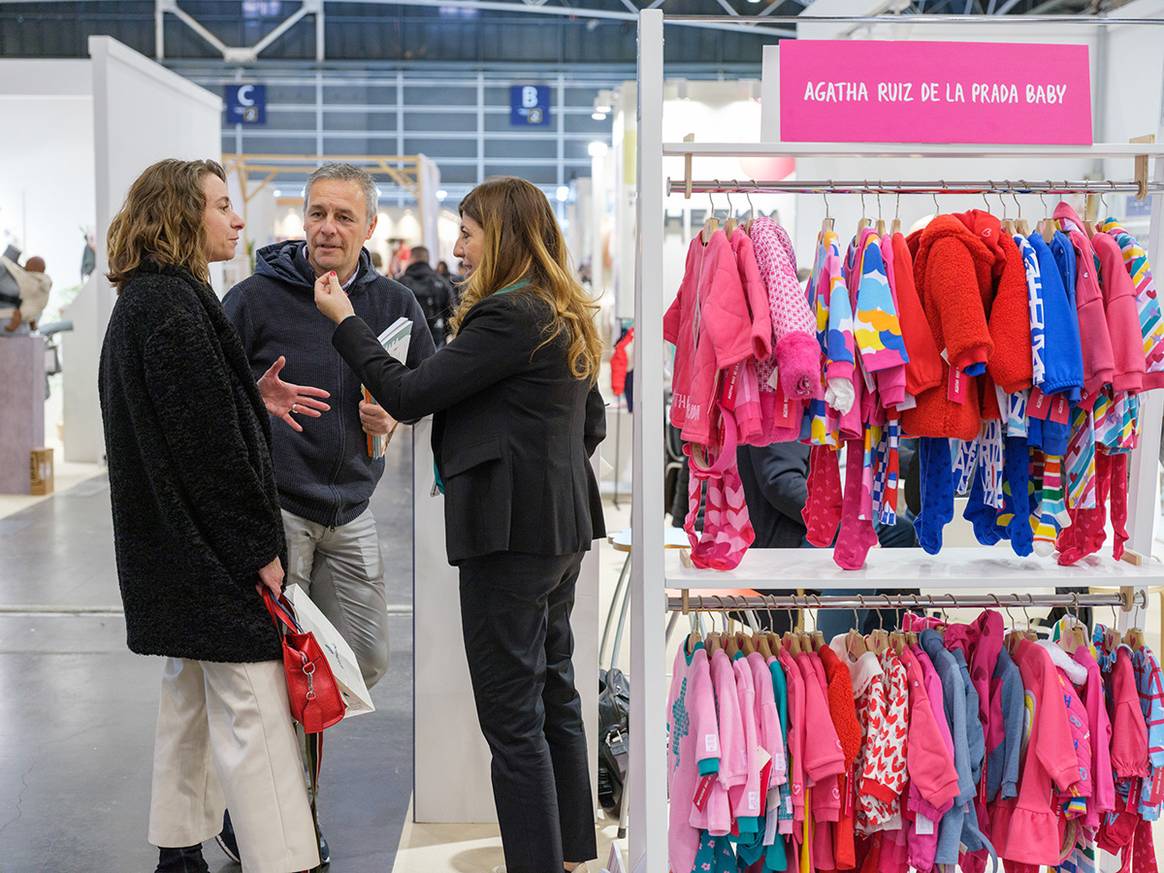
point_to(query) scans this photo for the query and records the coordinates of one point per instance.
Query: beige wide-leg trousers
(225, 739)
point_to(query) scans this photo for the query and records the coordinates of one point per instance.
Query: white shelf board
(995, 569)
(918, 150)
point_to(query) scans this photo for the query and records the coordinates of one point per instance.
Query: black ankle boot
(187, 860)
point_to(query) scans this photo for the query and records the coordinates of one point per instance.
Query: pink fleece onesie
(711, 328)
(745, 798)
(1071, 675)
(1129, 731)
(1028, 829)
(796, 355)
(768, 720)
(796, 730)
(826, 793)
(693, 751)
(1123, 317)
(733, 762)
(1103, 795)
(1098, 355)
(923, 842)
(754, 292)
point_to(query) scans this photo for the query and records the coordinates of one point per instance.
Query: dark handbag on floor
(316, 702)
(613, 736)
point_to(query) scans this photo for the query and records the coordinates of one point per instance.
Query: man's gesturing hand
(284, 400)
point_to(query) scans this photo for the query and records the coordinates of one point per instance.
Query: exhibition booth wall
(100, 123)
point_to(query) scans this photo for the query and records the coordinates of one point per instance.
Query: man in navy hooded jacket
(324, 475)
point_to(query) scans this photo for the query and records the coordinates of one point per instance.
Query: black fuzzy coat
(195, 510)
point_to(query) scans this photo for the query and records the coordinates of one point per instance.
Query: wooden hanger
(792, 642)
(694, 637)
(864, 221)
(729, 226)
(897, 642)
(1020, 226)
(710, 224)
(763, 647)
(880, 228)
(751, 211)
(774, 644)
(855, 644)
(746, 644)
(1134, 639)
(712, 643)
(827, 225)
(895, 228)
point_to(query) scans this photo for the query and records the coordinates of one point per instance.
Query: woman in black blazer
(517, 417)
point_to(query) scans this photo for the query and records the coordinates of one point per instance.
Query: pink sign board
(948, 92)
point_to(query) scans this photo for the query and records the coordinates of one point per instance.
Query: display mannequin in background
(196, 529)
(518, 416)
(324, 474)
(25, 289)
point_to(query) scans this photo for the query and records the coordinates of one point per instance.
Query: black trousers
(515, 615)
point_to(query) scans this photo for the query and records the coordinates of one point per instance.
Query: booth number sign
(529, 105)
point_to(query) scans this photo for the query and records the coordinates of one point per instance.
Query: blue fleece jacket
(959, 826)
(323, 474)
(1062, 351)
(1002, 770)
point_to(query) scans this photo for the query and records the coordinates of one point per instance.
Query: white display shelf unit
(654, 570)
(953, 569)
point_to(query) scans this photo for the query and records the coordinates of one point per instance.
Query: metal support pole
(1144, 464)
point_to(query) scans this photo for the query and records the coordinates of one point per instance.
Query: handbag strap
(281, 610)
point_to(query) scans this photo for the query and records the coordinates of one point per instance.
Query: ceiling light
(442, 195)
(563, 194)
(598, 149)
(598, 116)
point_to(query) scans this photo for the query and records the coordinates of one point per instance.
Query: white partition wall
(142, 113)
(452, 761)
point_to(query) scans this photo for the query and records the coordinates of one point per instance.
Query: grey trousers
(342, 570)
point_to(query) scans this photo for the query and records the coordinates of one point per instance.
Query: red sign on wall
(947, 92)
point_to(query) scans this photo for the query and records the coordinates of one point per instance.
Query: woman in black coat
(517, 417)
(197, 529)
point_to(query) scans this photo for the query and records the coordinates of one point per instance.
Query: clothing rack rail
(1126, 599)
(877, 186)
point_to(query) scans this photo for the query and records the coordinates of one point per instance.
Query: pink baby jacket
(1098, 355)
(1028, 829)
(1123, 317)
(711, 328)
(693, 750)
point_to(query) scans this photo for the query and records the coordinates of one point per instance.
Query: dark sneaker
(229, 843)
(324, 852)
(226, 840)
(188, 860)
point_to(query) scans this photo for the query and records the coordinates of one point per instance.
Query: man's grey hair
(340, 172)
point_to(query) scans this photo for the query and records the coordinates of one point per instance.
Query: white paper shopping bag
(339, 654)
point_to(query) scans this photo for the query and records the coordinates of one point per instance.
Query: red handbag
(316, 702)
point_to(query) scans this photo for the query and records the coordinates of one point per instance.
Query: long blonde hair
(162, 220)
(523, 241)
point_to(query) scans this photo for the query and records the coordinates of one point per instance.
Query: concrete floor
(78, 711)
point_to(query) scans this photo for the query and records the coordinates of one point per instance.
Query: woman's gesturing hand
(284, 400)
(331, 299)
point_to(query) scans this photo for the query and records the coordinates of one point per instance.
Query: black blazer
(513, 430)
(195, 510)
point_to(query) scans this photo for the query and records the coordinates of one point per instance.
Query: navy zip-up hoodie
(323, 474)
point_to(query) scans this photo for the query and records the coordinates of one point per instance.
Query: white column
(1142, 505)
(648, 785)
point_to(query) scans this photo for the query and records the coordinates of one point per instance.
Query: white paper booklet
(395, 341)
